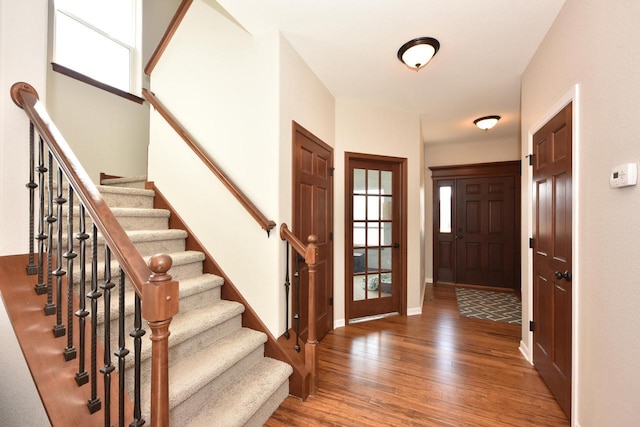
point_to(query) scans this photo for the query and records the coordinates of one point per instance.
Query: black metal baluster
(41, 287)
(70, 255)
(94, 403)
(108, 367)
(59, 329)
(50, 307)
(287, 285)
(82, 376)
(296, 316)
(122, 351)
(137, 335)
(31, 185)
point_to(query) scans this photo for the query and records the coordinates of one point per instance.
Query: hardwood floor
(435, 369)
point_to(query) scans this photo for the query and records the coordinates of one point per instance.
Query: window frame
(135, 57)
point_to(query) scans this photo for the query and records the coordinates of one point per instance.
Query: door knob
(396, 245)
(459, 236)
(559, 275)
(567, 276)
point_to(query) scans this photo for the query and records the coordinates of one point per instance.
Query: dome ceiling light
(487, 122)
(416, 53)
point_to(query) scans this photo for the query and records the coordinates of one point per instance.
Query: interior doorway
(375, 235)
(476, 218)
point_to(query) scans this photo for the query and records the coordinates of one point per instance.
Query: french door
(375, 235)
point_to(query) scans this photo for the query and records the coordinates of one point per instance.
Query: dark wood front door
(476, 213)
(552, 255)
(313, 214)
(375, 205)
(485, 228)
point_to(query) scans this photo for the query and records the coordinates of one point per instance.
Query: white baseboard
(525, 351)
(338, 323)
(428, 280)
(414, 311)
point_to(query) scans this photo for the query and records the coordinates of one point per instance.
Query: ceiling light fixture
(487, 122)
(416, 53)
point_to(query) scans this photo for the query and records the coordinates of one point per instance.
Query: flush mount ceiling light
(416, 53)
(487, 122)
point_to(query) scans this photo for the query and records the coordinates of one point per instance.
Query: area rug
(487, 305)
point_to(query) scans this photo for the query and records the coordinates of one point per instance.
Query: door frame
(526, 345)
(348, 259)
(478, 170)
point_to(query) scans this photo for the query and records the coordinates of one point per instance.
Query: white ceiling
(352, 45)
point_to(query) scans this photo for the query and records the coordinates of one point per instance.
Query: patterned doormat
(496, 306)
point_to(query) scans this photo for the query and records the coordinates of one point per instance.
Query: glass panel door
(374, 240)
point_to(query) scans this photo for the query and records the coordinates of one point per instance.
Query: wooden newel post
(310, 359)
(160, 302)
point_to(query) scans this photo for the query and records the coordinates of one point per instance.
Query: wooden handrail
(168, 34)
(310, 254)
(260, 218)
(152, 283)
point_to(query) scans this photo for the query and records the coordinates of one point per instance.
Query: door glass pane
(385, 285)
(358, 260)
(373, 257)
(359, 207)
(359, 183)
(386, 182)
(373, 208)
(373, 234)
(386, 208)
(359, 288)
(385, 259)
(386, 234)
(445, 209)
(359, 238)
(373, 180)
(373, 285)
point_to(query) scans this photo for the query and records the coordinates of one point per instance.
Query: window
(100, 39)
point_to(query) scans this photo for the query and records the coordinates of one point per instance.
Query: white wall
(23, 52)
(483, 150)
(596, 45)
(370, 129)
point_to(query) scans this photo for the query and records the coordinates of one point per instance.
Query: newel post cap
(160, 294)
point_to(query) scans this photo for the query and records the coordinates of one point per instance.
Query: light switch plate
(624, 175)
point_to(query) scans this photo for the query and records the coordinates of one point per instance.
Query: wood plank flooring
(435, 369)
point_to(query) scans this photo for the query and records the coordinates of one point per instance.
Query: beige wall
(250, 89)
(595, 45)
(481, 151)
(23, 51)
(370, 129)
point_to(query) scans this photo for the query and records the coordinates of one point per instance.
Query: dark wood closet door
(552, 255)
(313, 214)
(484, 233)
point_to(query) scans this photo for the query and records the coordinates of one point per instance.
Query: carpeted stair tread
(211, 362)
(139, 212)
(109, 189)
(237, 405)
(187, 288)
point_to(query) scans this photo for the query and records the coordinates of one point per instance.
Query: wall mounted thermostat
(624, 175)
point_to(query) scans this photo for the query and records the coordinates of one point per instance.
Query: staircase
(218, 375)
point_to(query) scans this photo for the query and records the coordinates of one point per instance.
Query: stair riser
(269, 407)
(181, 414)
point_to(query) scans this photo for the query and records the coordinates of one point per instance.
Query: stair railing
(156, 294)
(310, 255)
(233, 188)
